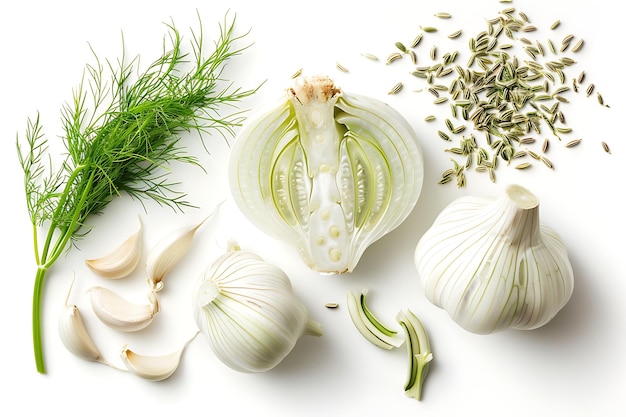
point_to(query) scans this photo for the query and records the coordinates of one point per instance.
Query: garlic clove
(121, 261)
(154, 368)
(74, 334)
(169, 251)
(121, 314)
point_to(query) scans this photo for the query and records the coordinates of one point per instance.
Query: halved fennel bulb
(327, 172)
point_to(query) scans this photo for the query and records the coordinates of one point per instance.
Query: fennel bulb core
(327, 172)
(206, 293)
(492, 265)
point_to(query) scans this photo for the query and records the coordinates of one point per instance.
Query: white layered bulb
(327, 172)
(249, 312)
(491, 264)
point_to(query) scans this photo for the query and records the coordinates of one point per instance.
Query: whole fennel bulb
(491, 264)
(247, 309)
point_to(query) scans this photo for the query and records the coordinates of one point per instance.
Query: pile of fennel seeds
(510, 100)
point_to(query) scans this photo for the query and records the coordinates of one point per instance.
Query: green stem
(60, 207)
(37, 339)
(46, 262)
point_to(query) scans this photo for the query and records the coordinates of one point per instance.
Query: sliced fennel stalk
(327, 172)
(419, 353)
(368, 325)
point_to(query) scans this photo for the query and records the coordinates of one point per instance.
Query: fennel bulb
(491, 264)
(327, 172)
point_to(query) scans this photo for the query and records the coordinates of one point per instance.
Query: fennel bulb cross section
(327, 172)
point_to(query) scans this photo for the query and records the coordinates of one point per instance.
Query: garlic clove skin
(152, 367)
(491, 264)
(327, 172)
(122, 261)
(74, 334)
(247, 309)
(121, 314)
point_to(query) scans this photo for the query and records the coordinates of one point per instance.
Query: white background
(574, 366)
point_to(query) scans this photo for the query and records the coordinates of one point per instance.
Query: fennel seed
(429, 29)
(341, 67)
(524, 17)
(396, 88)
(523, 165)
(551, 47)
(443, 15)
(578, 46)
(393, 56)
(448, 173)
(445, 180)
(417, 40)
(401, 47)
(573, 143)
(369, 56)
(443, 135)
(297, 73)
(456, 34)
(555, 25)
(331, 305)
(606, 147)
(546, 161)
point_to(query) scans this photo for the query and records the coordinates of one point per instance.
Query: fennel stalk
(119, 134)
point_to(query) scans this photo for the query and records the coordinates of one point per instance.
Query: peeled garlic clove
(74, 334)
(169, 251)
(121, 314)
(249, 312)
(491, 265)
(121, 261)
(155, 368)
